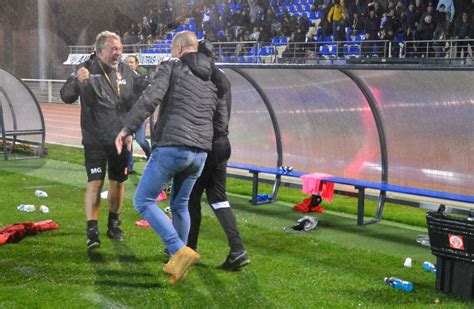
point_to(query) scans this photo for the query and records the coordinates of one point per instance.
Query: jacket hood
(199, 65)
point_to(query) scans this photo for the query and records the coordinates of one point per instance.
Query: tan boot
(179, 263)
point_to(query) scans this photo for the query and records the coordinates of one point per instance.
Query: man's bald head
(184, 42)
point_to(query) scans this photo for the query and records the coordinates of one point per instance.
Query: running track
(63, 125)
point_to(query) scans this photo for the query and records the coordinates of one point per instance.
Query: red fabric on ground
(306, 206)
(16, 232)
(303, 206)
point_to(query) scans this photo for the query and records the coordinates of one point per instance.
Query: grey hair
(186, 39)
(101, 39)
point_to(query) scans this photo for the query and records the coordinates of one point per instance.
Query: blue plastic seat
(252, 51)
(319, 14)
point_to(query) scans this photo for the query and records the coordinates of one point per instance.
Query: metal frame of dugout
(21, 119)
(368, 93)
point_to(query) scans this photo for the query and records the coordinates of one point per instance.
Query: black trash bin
(452, 241)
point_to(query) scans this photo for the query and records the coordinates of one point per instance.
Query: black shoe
(114, 232)
(235, 260)
(92, 238)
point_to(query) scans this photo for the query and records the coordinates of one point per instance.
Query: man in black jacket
(105, 86)
(213, 177)
(187, 97)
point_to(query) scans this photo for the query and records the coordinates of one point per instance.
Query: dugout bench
(360, 187)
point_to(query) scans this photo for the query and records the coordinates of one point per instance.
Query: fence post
(50, 91)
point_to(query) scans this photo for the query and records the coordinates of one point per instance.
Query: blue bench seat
(359, 185)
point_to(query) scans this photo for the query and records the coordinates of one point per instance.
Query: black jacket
(221, 149)
(102, 110)
(222, 115)
(187, 98)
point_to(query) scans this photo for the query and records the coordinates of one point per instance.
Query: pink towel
(314, 184)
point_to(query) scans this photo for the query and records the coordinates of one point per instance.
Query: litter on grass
(26, 207)
(104, 195)
(408, 262)
(142, 223)
(423, 240)
(304, 224)
(40, 193)
(44, 209)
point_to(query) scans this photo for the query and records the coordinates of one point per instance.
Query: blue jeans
(140, 137)
(182, 164)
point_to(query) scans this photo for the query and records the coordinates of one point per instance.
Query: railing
(45, 91)
(439, 51)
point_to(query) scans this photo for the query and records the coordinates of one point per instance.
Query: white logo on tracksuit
(96, 170)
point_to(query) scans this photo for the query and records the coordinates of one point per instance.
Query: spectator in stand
(226, 17)
(377, 8)
(146, 29)
(425, 32)
(449, 8)
(303, 23)
(463, 30)
(392, 23)
(469, 9)
(420, 8)
(358, 24)
(134, 30)
(441, 18)
(276, 28)
(153, 21)
(358, 8)
(254, 36)
(129, 39)
(369, 46)
(372, 25)
(410, 50)
(289, 25)
(198, 18)
(139, 32)
(410, 18)
(206, 19)
(431, 12)
(440, 33)
(399, 9)
(337, 16)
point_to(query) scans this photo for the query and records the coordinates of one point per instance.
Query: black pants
(213, 180)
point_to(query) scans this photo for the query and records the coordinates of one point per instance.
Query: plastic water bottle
(26, 208)
(40, 193)
(429, 267)
(44, 209)
(403, 285)
(407, 262)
